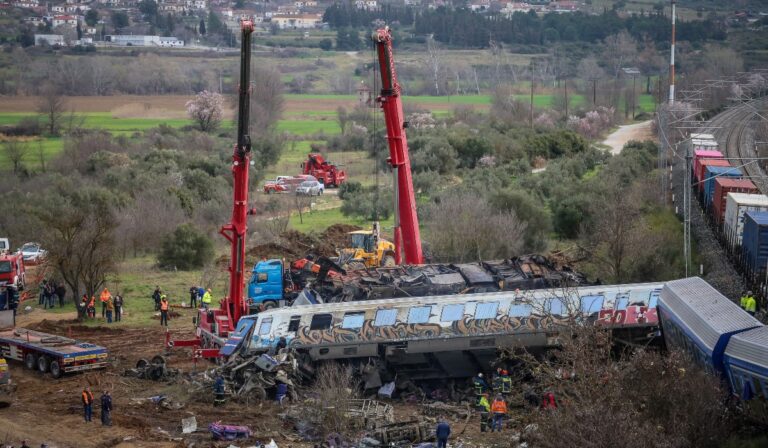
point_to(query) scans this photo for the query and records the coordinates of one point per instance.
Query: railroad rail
(731, 126)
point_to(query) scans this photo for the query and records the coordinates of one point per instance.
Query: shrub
(185, 249)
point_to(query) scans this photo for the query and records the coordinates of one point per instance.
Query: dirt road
(638, 131)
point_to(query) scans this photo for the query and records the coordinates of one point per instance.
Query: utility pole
(634, 98)
(533, 63)
(672, 61)
(594, 92)
(565, 81)
(687, 211)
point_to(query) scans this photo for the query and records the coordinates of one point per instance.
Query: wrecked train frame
(450, 336)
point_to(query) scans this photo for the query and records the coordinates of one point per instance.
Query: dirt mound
(293, 244)
(63, 327)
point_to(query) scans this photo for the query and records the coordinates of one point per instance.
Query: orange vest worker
(499, 407)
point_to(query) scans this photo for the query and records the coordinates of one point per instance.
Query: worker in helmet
(744, 298)
(479, 384)
(484, 408)
(506, 383)
(164, 310)
(207, 299)
(104, 298)
(496, 381)
(499, 409)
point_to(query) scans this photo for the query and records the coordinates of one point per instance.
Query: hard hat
(504, 372)
(480, 375)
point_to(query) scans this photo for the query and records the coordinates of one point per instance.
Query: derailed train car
(720, 337)
(448, 336)
(526, 272)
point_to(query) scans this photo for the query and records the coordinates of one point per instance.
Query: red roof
(730, 182)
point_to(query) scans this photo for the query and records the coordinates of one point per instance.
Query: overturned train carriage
(524, 273)
(449, 336)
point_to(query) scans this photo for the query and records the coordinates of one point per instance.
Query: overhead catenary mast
(672, 61)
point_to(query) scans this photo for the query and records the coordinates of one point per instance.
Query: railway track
(731, 128)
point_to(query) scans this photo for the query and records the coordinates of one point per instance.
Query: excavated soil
(293, 244)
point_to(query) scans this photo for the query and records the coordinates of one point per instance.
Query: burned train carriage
(440, 336)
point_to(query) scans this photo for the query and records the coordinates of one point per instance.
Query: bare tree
(620, 49)
(342, 117)
(329, 409)
(464, 227)
(598, 391)
(51, 106)
(15, 151)
(266, 100)
(79, 237)
(302, 204)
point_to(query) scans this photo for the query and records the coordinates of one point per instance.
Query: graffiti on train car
(468, 326)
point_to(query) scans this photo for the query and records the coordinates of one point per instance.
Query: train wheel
(43, 364)
(269, 305)
(56, 370)
(30, 360)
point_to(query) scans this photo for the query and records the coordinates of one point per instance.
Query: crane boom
(235, 231)
(406, 220)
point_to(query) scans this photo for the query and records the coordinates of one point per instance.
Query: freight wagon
(723, 186)
(755, 242)
(711, 174)
(48, 353)
(736, 205)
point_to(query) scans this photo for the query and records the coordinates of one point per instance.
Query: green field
(318, 221)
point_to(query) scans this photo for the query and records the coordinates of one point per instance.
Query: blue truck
(267, 286)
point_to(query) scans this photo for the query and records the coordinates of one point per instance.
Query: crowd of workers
(111, 306)
(493, 413)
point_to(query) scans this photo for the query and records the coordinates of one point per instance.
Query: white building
(144, 41)
(65, 20)
(369, 5)
(49, 39)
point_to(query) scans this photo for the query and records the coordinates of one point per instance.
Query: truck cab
(12, 270)
(267, 285)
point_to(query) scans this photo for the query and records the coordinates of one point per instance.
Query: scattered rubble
(156, 370)
(220, 431)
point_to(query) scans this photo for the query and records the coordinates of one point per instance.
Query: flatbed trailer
(50, 353)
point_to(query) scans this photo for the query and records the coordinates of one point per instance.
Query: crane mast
(406, 232)
(235, 231)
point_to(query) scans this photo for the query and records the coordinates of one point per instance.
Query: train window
(419, 314)
(520, 310)
(622, 301)
(486, 310)
(353, 320)
(266, 326)
(321, 322)
(556, 306)
(452, 312)
(592, 304)
(385, 317)
(654, 301)
(293, 324)
(261, 277)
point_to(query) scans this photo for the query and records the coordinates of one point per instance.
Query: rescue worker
(87, 398)
(506, 383)
(481, 387)
(110, 309)
(484, 407)
(92, 308)
(499, 410)
(156, 297)
(496, 382)
(750, 305)
(193, 297)
(164, 310)
(442, 432)
(118, 307)
(41, 288)
(218, 391)
(282, 392)
(207, 299)
(104, 298)
(106, 409)
(743, 300)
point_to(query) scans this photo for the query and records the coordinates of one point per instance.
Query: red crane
(215, 325)
(406, 220)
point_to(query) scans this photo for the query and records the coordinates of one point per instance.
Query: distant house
(143, 41)
(368, 5)
(65, 20)
(296, 21)
(54, 40)
(563, 6)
